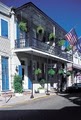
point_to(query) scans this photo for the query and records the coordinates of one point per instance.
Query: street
(61, 106)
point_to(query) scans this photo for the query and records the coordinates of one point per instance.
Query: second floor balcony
(41, 46)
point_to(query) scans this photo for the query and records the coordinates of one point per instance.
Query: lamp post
(32, 96)
(47, 92)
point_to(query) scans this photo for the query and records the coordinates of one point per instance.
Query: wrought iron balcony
(41, 46)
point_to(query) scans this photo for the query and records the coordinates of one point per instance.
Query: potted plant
(42, 82)
(51, 37)
(18, 85)
(41, 89)
(38, 71)
(68, 73)
(68, 48)
(61, 71)
(23, 26)
(51, 72)
(61, 42)
(40, 30)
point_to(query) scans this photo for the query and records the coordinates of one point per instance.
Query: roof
(4, 9)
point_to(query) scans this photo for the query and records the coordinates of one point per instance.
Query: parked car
(76, 87)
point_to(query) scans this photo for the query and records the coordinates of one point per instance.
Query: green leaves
(61, 71)
(38, 71)
(42, 82)
(61, 42)
(51, 36)
(22, 26)
(40, 30)
(68, 48)
(51, 72)
(68, 73)
(18, 84)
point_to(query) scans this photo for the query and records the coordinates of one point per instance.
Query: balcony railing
(41, 46)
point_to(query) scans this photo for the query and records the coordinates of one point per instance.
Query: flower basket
(61, 42)
(42, 82)
(51, 72)
(68, 73)
(68, 48)
(61, 72)
(22, 26)
(40, 30)
(38, 71)
(51, 36)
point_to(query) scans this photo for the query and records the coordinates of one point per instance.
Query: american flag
(71, 36)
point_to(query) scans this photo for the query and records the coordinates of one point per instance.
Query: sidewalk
(14, 100)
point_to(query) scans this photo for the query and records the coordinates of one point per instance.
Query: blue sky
(67, 13)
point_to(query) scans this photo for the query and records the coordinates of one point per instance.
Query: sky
(67, 13)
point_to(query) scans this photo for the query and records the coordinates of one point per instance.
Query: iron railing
(41, 46)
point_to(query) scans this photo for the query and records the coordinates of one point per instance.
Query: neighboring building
(22, 52)
(5, 52)
(77, 67)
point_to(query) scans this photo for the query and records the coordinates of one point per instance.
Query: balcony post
(47, 92)
(32, 96)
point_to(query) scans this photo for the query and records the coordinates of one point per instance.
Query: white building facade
(5, 51)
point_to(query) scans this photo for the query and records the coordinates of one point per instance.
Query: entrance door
(5, 74)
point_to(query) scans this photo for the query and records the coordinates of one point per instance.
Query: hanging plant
(61, 71)
(40, 30)
(42, 82)
(51, 72)
(22, 26)
(38, 71)
(68, 48)
(51, 36)
(61, 42)
(68, 73)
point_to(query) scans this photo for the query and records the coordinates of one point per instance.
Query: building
(23, 50)
(32, 50)
(5, 50)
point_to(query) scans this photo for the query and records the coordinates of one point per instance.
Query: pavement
(8, 101)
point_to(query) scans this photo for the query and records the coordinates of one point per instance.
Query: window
(4, 28)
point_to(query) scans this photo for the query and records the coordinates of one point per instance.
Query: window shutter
(4, 28)
(5, 74)
(20, 70)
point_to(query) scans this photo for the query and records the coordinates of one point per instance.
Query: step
(7, 94)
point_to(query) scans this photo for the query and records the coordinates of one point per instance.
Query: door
(5, 74)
